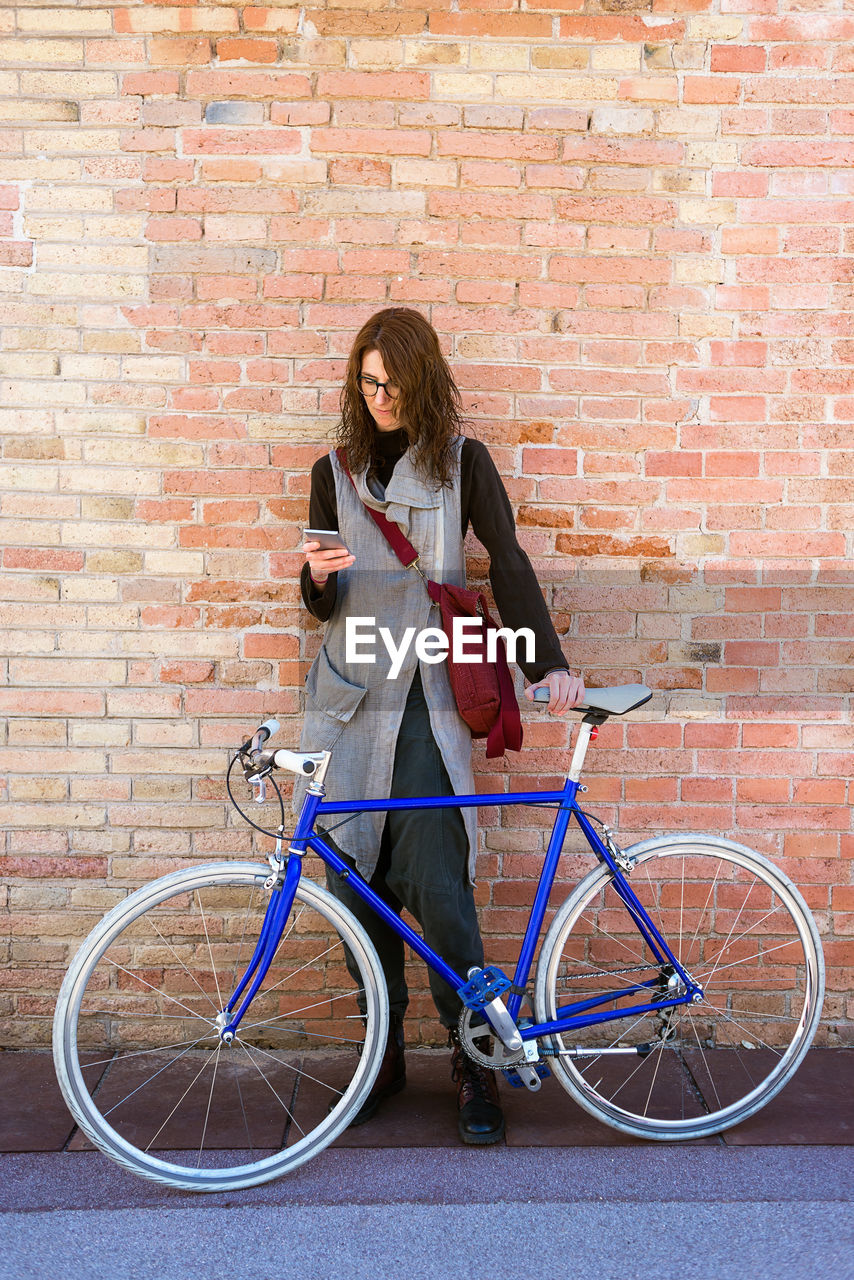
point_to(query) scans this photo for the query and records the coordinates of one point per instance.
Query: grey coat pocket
(332, 702)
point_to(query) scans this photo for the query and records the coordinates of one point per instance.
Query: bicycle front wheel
(137, 1048)
(741, 930)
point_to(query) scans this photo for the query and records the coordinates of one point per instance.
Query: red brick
(237, 83)
(180, 50)
(402, 142)
(237, 49)
(408, 85)
(247, 141)
(41, 867)
(186, 672)
(360, 172)
(517, 26)
(44, 560)
(173, 229)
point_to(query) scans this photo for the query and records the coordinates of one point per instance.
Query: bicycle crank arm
(502, 1024)
(529, 1077)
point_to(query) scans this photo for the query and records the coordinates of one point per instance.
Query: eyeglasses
(370, 386)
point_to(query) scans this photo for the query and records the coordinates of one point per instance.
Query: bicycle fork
(284, 883)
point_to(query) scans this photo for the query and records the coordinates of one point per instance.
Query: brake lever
(255, 763)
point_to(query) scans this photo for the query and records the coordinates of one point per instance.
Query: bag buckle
(414, 565)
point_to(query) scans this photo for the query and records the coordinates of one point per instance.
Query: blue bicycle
(209, 1036)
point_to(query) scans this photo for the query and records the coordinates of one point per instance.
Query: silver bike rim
(573, 1078)
(81, 1102)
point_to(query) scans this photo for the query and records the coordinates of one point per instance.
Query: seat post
(582, 742)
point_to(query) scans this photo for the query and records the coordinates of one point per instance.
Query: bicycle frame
(575, 1015)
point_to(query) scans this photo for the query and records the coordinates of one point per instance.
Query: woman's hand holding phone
(325, 559)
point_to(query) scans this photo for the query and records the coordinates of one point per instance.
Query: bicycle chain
(545, 1051)
(467, 1040)
(576, 977)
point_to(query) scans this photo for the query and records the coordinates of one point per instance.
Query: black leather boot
(481, 1120)
(392, 1073)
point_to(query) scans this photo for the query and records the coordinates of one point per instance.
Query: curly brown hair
(428, 404)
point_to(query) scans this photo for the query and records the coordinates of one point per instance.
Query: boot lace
(475, 1082)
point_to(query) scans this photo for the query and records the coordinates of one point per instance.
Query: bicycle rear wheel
(742, 930)
(138, 1054)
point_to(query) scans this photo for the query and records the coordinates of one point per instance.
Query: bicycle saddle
(615, 701)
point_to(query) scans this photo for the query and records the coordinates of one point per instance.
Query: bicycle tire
(140, 999)
(739, 925)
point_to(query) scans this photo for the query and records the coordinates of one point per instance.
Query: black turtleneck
(484, 504)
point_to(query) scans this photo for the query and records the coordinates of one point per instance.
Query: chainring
(482, 1044)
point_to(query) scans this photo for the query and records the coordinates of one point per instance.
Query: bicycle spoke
(246, 915)
(654, 1078)
(165, 994)
(283, 1105)
(290, 976)
(190, 975)
(681, 908)
(281, 943)
(236, 1074)
(734, 923)
(210, 952)
(702, 914)
(703, 1056)
(732, 943)
(137, 1053)
(723, 1014)
(755, 1013)
(654, 905)
(297, 1070)
(620, 942)
(172, 1017)
(177, 1105)
(306, 1008)
(210, 1096)
(766, 951)
(154, 1076)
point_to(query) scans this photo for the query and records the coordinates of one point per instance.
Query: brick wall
(631, 226)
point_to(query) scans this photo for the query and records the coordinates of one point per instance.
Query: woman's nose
(381, 397)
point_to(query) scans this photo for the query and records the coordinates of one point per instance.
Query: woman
(402, 430)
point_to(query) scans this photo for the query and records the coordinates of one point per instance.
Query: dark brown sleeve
(514, 584)
(322, 514)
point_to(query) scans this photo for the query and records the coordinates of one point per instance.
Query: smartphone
(329, 539)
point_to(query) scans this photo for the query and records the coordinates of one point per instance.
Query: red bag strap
(400, 545)
(506, 733)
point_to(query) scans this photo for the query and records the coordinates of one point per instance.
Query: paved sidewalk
(815, 1109)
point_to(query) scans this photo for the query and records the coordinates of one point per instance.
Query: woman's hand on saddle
(566, 690)
(322, 563)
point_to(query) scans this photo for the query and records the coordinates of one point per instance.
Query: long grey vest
(351, 706)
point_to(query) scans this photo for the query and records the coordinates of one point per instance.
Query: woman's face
(381, 406)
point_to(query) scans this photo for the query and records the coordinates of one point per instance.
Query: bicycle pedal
(483, 986)
(526, 1077)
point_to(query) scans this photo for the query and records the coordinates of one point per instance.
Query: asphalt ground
(676, 1211)
(770, 1199)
